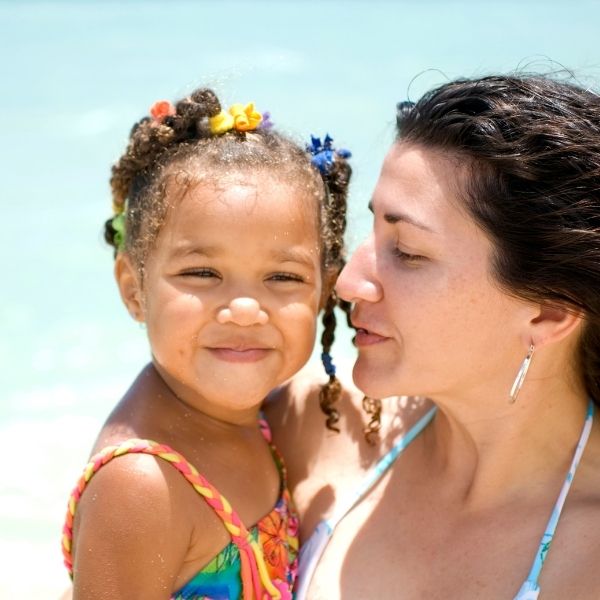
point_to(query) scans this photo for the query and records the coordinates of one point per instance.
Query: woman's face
(431, 320)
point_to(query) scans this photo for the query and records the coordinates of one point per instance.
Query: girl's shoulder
(137, 520)
(123, 510)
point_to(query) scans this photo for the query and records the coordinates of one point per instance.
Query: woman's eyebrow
(400, 217)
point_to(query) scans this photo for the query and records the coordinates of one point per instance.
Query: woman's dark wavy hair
(532, 146)
(165, 157)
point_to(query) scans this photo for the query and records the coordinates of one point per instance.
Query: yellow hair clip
(239, 117)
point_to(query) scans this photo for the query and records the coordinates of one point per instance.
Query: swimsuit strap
(255, 578)
(380, 469)
(265, 429)
(312, 550)
(530, 589)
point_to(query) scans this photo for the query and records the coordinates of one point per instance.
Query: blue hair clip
(328, 364)
(324, 153)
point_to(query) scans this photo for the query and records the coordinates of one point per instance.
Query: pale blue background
(76, 75)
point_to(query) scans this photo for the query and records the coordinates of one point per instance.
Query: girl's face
(232, 290)
(431, 319)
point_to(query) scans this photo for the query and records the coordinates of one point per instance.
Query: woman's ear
(554, 322)
(129, 282)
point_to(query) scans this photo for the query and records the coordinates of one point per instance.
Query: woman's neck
(486, 450)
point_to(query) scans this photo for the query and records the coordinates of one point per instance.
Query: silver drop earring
(520, 378)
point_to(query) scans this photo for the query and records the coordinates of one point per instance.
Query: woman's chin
(373, 381)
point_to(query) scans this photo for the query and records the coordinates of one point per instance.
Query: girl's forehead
(216, 183)
(252, 198)
(265, 207)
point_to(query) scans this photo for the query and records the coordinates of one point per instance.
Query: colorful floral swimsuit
(258, 564)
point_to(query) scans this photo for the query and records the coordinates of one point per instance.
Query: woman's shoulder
(294, 413)
(295, 416)
(323, 465)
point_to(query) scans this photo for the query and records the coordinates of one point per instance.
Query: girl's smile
(241, 355)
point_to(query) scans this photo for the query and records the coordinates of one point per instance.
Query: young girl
(227, 238)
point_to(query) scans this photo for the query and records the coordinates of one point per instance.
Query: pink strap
(254, 572)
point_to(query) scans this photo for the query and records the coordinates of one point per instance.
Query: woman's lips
(244, 355)
(364, 337)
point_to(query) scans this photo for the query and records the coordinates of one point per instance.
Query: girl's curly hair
(171, 153)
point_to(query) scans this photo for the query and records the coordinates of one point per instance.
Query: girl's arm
(129, 541)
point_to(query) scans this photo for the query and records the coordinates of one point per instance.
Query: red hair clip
(161, 109)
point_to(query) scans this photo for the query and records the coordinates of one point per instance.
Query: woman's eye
(285, 277)
(408, 258)
(202, 273)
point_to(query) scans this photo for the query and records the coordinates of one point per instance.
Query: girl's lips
(247, 355)
(364, 337)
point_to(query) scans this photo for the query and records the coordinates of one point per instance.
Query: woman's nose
(357, 281)
(244, 312)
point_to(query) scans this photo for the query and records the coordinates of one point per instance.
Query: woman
(479, 289)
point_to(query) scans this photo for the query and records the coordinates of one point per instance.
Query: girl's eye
(285, 277)
(408, 258)
(202, 273)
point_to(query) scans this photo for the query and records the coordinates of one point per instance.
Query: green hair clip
(118, 224)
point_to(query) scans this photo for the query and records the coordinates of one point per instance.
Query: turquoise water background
(76, 75)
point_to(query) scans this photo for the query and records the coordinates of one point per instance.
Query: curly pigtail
(335, 172)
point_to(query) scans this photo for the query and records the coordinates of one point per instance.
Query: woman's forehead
(424, 188)
(416, 180)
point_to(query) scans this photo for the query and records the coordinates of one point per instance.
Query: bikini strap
(255, 578)
(265, 429)
(380, 469)
(314, 547)
(530, 589)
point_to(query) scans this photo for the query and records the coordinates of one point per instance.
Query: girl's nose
(244, 312)
(357, 281)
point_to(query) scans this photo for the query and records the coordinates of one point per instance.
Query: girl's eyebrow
(297, 255)
(400, 217)
(182, 250)
(291, 254)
